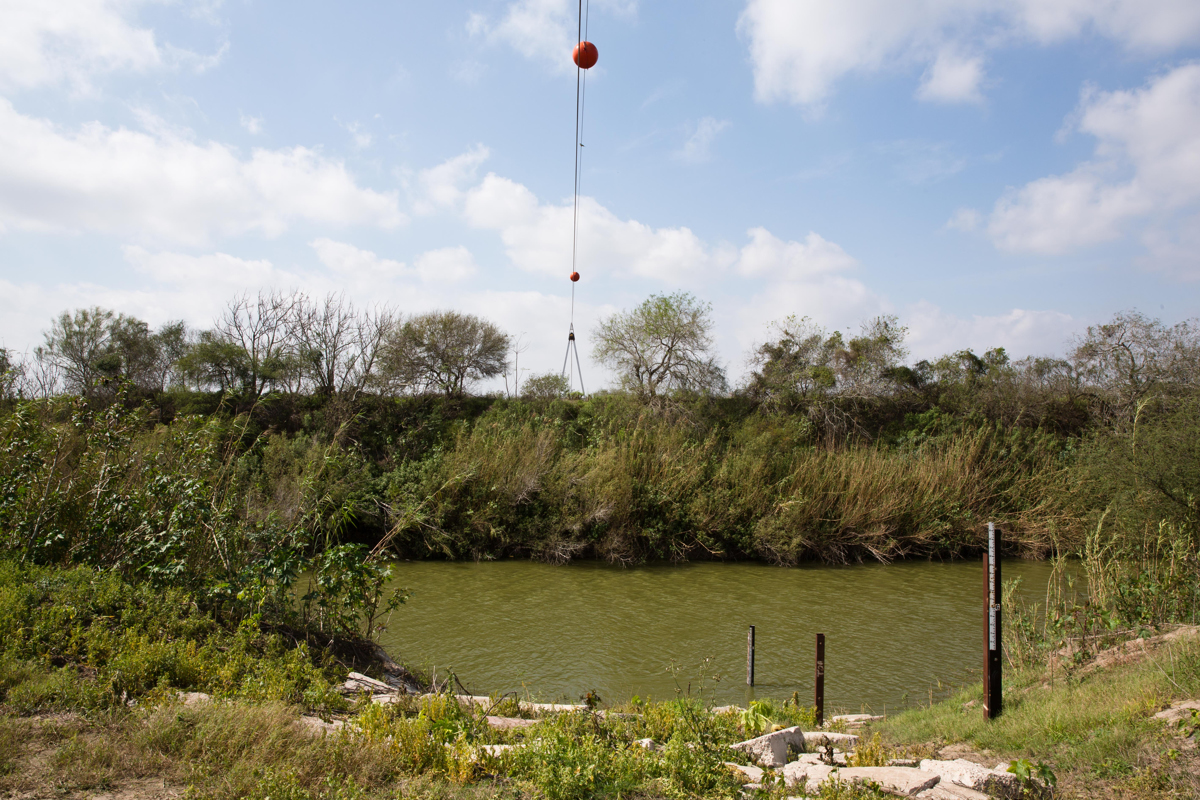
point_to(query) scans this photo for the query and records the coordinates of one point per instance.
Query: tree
(443, 350)
(79, 346)
(664, 344)
(337, 345)
(12, 375)
(1134, 357)
(91, 347)
(260, 327)
(797, 365)
(545, 387)
(867, 366)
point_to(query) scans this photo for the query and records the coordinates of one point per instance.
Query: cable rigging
(585, 56)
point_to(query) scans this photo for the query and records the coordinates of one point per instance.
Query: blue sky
(994, 172)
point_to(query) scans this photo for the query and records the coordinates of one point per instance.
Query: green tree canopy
(443, 351)
(665, 344)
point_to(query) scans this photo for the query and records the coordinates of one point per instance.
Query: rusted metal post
(750, 657)
(819, 685)
(993, 641)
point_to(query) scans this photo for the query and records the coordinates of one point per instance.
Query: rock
(1179, 712)
(495, 750)
(728, 710)
(316, 725)
(839, 758)
(952, 791)
(809, 777)
(904, 781)
(194, 698)
(648, 744)
(974, 776)
(753, 773)
(815, 739)
(854, 720)
(551, 708)
(771, 749)
(357, 682)
(509, 723)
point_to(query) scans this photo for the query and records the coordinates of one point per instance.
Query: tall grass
(655, 487)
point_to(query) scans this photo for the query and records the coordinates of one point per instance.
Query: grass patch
(1096, 727)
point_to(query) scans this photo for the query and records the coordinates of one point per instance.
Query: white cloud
(1146, 164)
(163, 186)
(965, 220)
(932, 332)
(920, 162)
(359, 136)
(52, 42)
(352, 262)
(698, 147)
(447, 265)
(253, 125)
(441, 187)
(542, 29)
(800, 50)
(768, 256)
(537, 237)
(952, 78)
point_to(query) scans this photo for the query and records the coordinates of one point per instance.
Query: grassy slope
(1095, 728)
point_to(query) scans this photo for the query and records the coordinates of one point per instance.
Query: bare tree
(1134, 357)
(444, 351)
(260, 327)
(338, 345)
(372, 329)
(662, 345)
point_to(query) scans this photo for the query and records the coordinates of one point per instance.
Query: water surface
(555, 632)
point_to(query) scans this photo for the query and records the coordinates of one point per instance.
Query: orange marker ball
(586, 55)
(574, 277)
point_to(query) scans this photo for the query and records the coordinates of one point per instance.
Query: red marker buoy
(574, 277)
(585, 55)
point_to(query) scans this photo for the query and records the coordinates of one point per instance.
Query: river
(554, 632)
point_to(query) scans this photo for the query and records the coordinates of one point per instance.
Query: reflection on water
(555, 632)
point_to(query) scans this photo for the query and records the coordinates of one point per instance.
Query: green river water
(554, 632)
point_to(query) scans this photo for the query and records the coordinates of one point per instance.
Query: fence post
(819, 685)
(993, 641)
(750, 657)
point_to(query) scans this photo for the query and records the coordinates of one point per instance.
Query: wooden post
(819, 685)
(993, 642)
(750, 657)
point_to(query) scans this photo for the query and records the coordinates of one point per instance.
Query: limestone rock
(509, 723)
(854, 720)
(952, 791)
(771, 749)
(974, 776)
(815, 739)
(728, 710)
(753, 773)
(194, 698)
(839, 758)
(1179, 712)
(316, 725)
(648, 744)
(904, 781)
(357, 682)
(808, 777)
(496, 749)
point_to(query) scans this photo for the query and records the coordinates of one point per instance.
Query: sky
(992, 172)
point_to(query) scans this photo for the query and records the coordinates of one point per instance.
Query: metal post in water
(993, 691)
(819, 686)
(750, 657)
